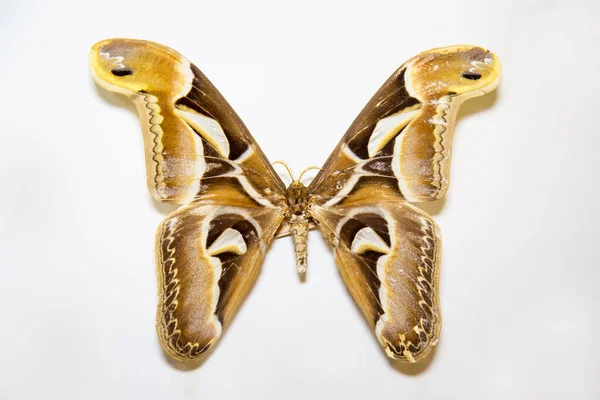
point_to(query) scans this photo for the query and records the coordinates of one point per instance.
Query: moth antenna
(286, 167)
(306, 170)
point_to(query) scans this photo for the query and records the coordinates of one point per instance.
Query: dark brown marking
(379, 167)
(229, 260)
(367, 260)
(219, 224)
(473, 76)
(217, 167)
(390, 99)
(121, 72)
(377, 223)
(204, 98)
(359, 144)
(374, 181)
(230, 265)
(478, 54)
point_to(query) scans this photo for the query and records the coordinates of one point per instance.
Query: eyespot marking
(473, 76)
(121, 72)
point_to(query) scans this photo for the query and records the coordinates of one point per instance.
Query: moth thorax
(297, 198)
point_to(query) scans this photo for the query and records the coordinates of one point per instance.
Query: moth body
(298, 219)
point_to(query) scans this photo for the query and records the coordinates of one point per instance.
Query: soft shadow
(302, 278)
(472, 106)
(408, 369)
(115, 99)
(432, 207)
(477, 105)
(416, 368)
(121, 101)
(187, 366)
(191, 365)
(164, 208)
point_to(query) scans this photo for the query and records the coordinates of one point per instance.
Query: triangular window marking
(366, 239)
(230, 241)
(209, 128)
(387, 128)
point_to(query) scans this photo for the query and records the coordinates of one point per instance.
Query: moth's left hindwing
(208, 257)
(198, 154)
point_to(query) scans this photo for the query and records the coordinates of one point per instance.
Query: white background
(520, 274)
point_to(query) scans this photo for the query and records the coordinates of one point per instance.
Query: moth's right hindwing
(388, 255)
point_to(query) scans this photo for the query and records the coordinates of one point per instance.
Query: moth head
(130, 66)
(465, 71)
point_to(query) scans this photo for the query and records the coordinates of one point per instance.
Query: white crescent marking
(387, 128)
(231, 241)
(366, 239)
(210, 129)
(402, 181)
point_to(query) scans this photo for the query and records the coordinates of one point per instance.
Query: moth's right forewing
(404, 133)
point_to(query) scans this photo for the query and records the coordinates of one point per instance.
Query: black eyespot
(471, 75)
(121, 72)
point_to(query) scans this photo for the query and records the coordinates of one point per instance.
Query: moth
(200, 156)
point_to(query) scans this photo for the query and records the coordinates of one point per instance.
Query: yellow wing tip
(464, 70)
(98, 45)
